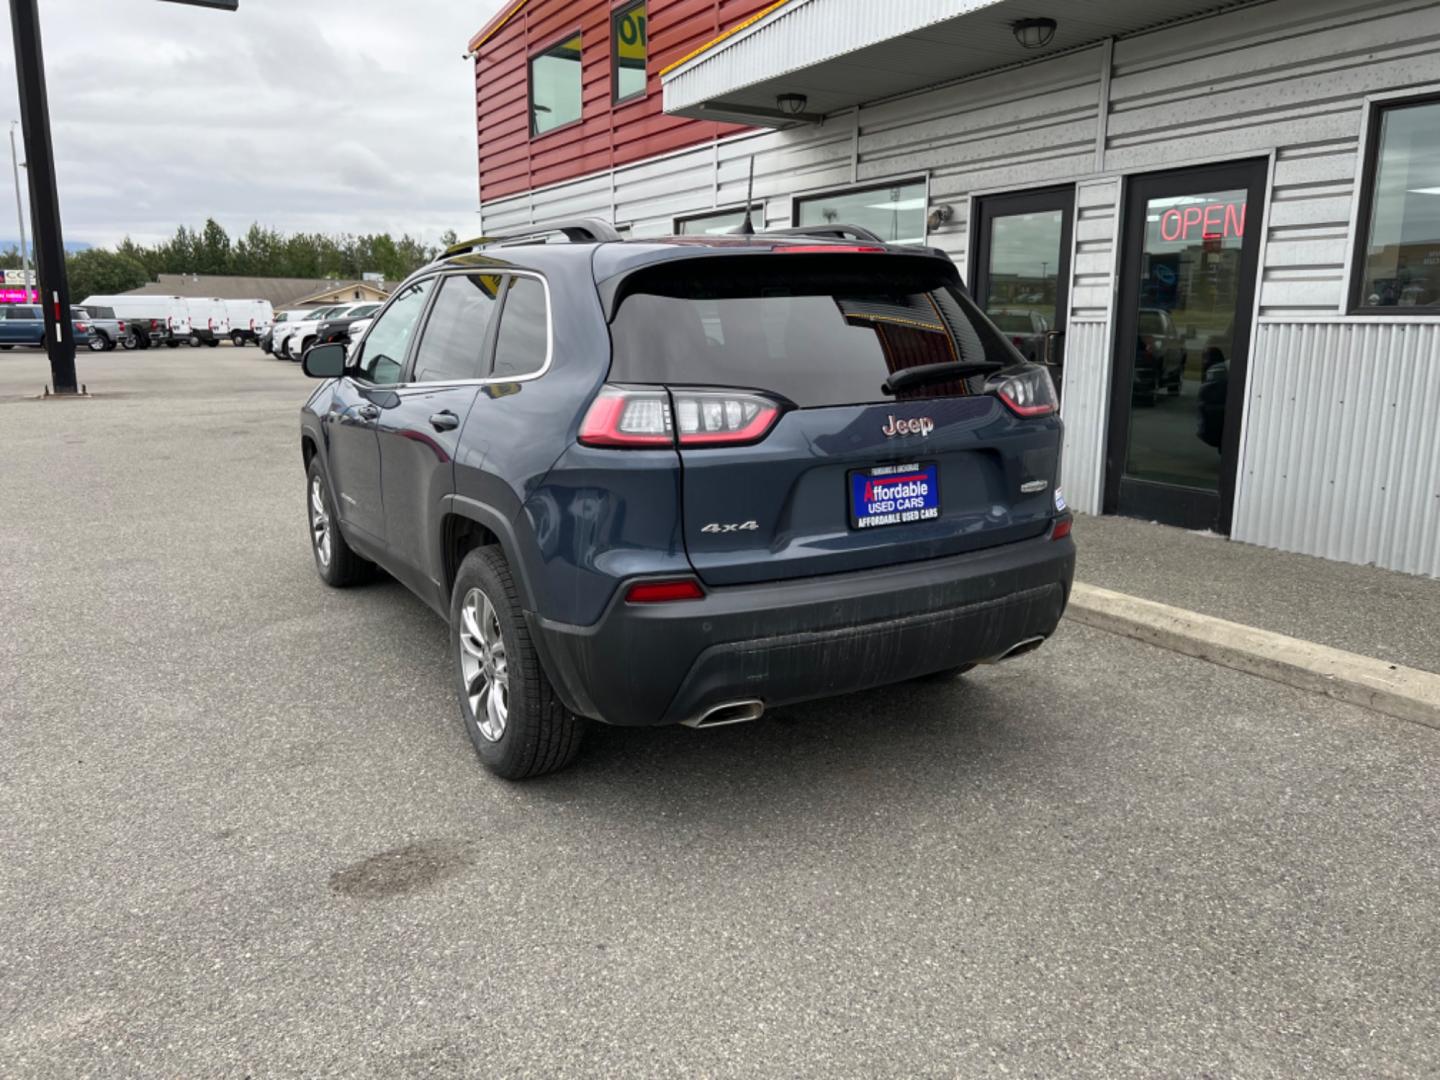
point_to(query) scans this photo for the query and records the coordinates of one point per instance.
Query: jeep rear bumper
(784, 642)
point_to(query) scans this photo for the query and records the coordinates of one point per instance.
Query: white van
(209, 320)
(153, 320)
(249, 319)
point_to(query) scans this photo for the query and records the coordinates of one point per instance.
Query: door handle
(1052, 343)
(445, 421)
(368, 412)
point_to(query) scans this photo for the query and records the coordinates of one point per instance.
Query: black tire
(142, 341)
(111, 345)
(212, 343)
(7, 348)
(539, 734)
(340, 566)
(96, 343)
(237, 339)
(172, 343)
(305, 346)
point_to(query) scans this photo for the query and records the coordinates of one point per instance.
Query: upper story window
(627, 52)
(555, 87)
(1400, 229)
(893, 212)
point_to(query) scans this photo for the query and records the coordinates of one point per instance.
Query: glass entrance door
(1182, 340)
(1020, 272)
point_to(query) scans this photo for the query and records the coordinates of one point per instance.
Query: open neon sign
(1212, 221)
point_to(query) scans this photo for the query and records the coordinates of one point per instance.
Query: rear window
(101, 312)
(799, 327)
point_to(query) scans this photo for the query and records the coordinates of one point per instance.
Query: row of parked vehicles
(295, 332)
(128, 321)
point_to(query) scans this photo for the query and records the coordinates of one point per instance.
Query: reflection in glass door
(1182, 337)
(1021, 270)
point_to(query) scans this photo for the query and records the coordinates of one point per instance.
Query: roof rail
(828, 232)
(583, 230)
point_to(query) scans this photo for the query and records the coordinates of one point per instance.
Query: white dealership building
(1219, 222)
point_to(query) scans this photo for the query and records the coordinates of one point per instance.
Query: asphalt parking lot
(245, 833)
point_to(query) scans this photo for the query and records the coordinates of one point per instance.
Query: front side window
(555, 87)
(453, 345)
(720, 223)
(627, 51)
(383, 358)
(524, 339)
(1401, 258)
(895, 213)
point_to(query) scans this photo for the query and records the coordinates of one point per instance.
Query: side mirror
(324, 361)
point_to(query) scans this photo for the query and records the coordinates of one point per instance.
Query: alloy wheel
(319, 522)
(484, 664)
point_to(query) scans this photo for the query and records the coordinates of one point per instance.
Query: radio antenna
(747, 228)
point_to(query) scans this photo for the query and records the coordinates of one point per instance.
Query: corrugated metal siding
(1342, 443)
(1085, 402)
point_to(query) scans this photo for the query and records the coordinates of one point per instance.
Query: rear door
(851, 475)
(419, 426)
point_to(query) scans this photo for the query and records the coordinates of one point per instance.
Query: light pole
(53, 282)
(20, 211)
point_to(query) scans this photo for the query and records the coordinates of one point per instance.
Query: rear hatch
(801, 451)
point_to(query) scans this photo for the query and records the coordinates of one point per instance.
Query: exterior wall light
(1034, 33)
(791, 104)
(939, 216)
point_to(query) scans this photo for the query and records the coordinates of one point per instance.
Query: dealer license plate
(894, 495)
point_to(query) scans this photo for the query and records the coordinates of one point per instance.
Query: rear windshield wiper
(929, 373)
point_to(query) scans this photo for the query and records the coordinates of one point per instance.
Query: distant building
(281, 292)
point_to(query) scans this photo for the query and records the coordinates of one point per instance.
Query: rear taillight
(1062, 528)
(621, 417)
(1027, 391)
(81, 328)
(664, 592)
(120, 326)
(154, 324)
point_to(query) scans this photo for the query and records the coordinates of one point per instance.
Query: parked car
(151, 320)
(687, 481)
(304, 332)
(1159, 356)
(209, 320)
(249, 319)
(357, 332)
(24, 324)
(337, 327)
(106, 331)
(309, 316)
(280, 326)
(1026, 331)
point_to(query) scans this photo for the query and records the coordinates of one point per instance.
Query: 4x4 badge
(921, 425)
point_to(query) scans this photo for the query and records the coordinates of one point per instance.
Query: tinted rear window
(799, 327)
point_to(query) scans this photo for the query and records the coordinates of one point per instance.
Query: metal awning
(843, 53)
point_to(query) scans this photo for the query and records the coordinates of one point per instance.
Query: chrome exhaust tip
(1020, 648)
(731, 712)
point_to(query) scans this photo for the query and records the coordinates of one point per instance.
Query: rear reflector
(664, 592)
(1062, 528)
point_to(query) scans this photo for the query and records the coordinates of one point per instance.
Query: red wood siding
(512, 162)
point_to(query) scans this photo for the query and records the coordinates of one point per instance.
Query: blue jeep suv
(686, 480)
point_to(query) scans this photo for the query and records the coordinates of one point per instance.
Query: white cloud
(314, 115)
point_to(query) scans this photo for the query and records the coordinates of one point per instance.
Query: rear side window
(453, 346)
(524, 339)
(800, 327)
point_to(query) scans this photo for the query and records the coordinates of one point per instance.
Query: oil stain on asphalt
(401, 871)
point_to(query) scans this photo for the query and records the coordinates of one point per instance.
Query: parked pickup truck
(24, 324)
(106, 331)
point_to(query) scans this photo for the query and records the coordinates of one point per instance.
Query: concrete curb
(1401, 692)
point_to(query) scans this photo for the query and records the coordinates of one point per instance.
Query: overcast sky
(317, 115)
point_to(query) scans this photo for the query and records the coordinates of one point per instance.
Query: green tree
(211, 250)
(101, 272)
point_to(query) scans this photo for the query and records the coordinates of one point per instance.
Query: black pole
(50, 274)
